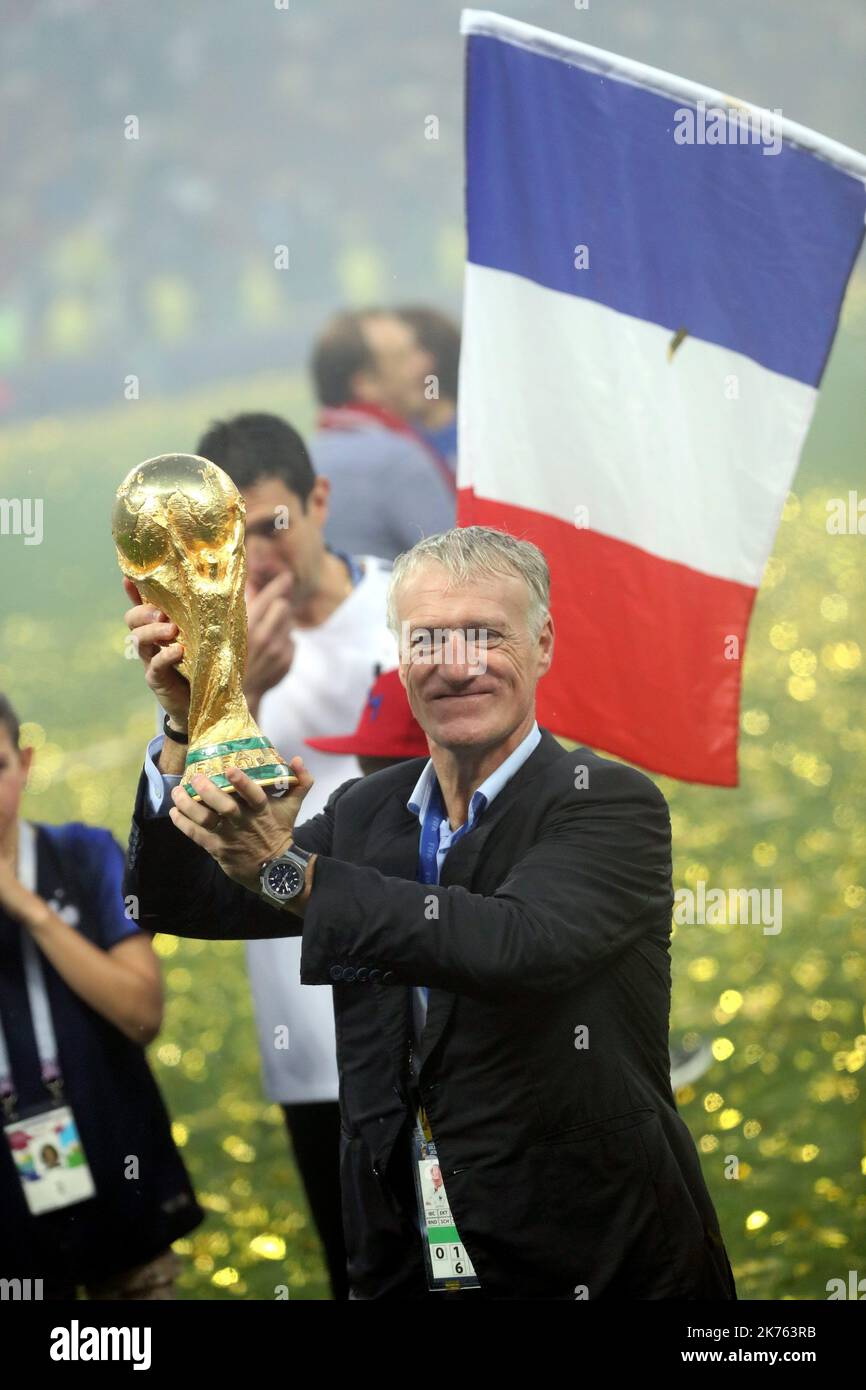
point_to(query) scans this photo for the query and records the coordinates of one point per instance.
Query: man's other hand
(243, 830)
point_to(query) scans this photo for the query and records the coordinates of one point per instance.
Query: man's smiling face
(470, 696)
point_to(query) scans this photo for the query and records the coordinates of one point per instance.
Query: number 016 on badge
(448, 1264)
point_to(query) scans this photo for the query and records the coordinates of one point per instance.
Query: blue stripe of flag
(747, 250)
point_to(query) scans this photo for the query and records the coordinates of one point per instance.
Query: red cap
(387, 727)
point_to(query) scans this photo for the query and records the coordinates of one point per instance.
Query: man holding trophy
(495, 922)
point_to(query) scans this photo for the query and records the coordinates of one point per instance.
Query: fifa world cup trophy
(178, 525)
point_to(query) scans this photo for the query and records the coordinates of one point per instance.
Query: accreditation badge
(49, 1158)
(448, 1265)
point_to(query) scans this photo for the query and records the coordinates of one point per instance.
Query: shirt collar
(419, 800)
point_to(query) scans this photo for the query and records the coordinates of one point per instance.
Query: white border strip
(552, 45)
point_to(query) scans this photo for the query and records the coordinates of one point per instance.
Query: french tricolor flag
(655, 275)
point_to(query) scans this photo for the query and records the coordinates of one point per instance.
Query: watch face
(284, 879)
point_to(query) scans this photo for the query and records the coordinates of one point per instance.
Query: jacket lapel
(392, 848)
(460, 865)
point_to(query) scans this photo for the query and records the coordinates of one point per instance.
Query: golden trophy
(178, 525)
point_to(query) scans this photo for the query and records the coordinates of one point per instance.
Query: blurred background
(157, 160)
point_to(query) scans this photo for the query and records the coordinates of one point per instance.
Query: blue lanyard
(37, 994)
(428, 868)
(428, 848)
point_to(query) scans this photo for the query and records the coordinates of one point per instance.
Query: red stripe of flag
(640, 666)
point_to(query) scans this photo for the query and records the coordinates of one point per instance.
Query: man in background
(436, 421)
(317, 630)
(390, 485)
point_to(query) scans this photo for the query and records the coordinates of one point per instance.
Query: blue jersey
(106, 1080)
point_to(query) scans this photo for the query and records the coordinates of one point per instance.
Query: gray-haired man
(496, 924)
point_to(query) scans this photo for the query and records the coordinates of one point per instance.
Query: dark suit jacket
(566, 1166)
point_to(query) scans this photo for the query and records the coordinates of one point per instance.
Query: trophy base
(257, 757)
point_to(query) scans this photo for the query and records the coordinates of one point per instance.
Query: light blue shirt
(419, 803)
(159, 784)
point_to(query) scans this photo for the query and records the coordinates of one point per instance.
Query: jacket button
(388, 977)
(376, 1169)
(375, 975)
(336, 972)
(361, 974)
(349, 974)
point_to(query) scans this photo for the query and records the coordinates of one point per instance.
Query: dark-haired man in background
(390, 485)
(317, 629)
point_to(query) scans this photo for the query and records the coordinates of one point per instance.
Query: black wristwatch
(173, 734)
(282, 878)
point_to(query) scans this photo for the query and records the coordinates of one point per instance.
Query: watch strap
(173, 734)
(291, 851)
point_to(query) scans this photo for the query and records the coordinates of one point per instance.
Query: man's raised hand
(155, 638)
